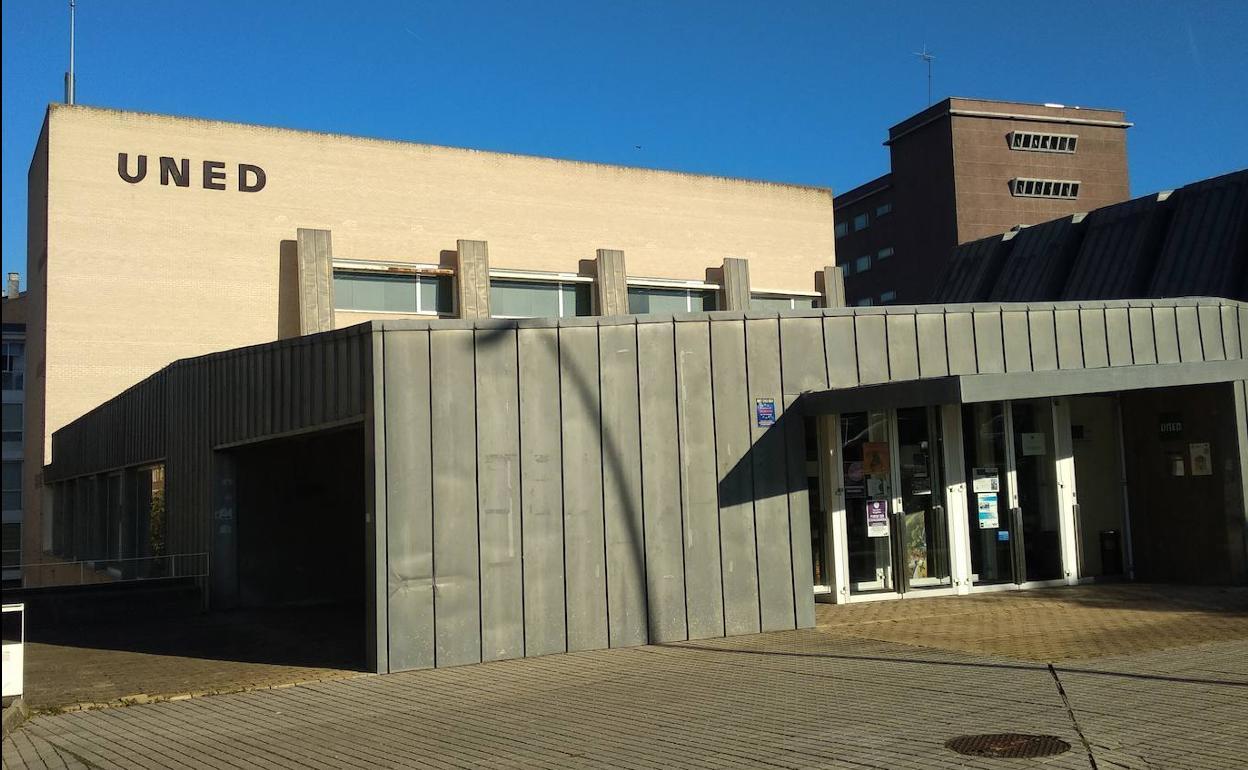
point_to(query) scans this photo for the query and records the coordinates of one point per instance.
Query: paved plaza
(1156, 691)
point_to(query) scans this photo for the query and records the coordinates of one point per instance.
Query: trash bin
(1111, 552)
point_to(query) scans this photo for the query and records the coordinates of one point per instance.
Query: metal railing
(93, 571)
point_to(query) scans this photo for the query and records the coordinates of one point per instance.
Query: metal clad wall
(584, 547)
(457, 604)
(498, 489)
(736, 505)
(541, 493)
(660, 442)
(622, 469)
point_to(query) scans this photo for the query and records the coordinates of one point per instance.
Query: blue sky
(798, 91)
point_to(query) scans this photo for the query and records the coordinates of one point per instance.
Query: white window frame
(381, 267)
(1057, 189)
(791, 296)
(530, 276)
(1039, 141)
(667, 283)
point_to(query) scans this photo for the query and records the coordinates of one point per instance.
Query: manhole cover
(1012, 745)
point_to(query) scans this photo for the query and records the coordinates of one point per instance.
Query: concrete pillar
(316, 281)
(611, 283)
(736, 284)
(833, 287)
(472, 279)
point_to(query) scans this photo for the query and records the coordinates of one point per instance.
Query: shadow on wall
(288, 290)
(744, 483)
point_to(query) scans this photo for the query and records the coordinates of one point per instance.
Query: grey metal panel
(409, 507)
(704, 596)
(472, 279)
(768, 457)
(621, 482)
(1118, 336)
(1211, 339)
(1166, 335)
(733, 416)
(1230, 330)
(804, 364)
(376, 556)
(903, 347)
(541, 492)
(582, 489)
(1189, 334)
(1095, 340)
(833, 287)
(1042, 325)
(871, 340)
(736, 284)
(498, 491)
(989, 346)
(960, 341)
(1143, 346)
(840, 351)
(660, 441)
(611, 284)
(1016, 334)
(933, 351)
(799, 515)
(457, 598)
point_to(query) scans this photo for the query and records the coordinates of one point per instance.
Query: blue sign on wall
(765, 411)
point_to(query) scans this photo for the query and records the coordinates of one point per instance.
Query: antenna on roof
(927, 58)
(69, 76)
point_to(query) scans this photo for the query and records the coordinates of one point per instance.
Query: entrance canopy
(976, 388)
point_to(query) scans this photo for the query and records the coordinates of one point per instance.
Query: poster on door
(877, 518)
(986, 506)
(916, 544)
(875, 457)
(985, 480)
(1202, 461)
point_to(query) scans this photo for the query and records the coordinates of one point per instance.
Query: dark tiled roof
(1192, 242)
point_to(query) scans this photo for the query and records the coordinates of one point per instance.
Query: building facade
(154, 238)
(965, 169)
(13, 390)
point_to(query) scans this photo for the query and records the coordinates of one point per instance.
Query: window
(885, 253)
(862, 264)
(842, 229)
(782, 302)
(11, 485)
(424, 293)
(514, 298)
(1045, 188)
(13, 366)
(1037, 142)
(12, 423)
(12, 542)
(864, 302)
(655, 299)
(883, 210)
(861, 221)
(887, 297)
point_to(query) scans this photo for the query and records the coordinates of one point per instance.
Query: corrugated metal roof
(1204, 250)
(1192, 242)
(1119, 247)
(1037, 265)
(973, 269)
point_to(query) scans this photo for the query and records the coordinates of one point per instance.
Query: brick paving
(831, 697)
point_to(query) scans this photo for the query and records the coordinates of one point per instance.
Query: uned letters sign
(177, 172)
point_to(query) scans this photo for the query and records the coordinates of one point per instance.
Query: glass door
(1012, 491)
(895, 526)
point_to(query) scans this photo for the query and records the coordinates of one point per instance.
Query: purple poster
(877, 518)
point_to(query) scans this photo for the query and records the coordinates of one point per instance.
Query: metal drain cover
(1008, 745)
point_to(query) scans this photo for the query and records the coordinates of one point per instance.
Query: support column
(472, 279)
(316, 281)
(833, 287)
(610, 283)
(736, 284)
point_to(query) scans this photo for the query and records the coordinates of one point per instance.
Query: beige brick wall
(140, 275)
